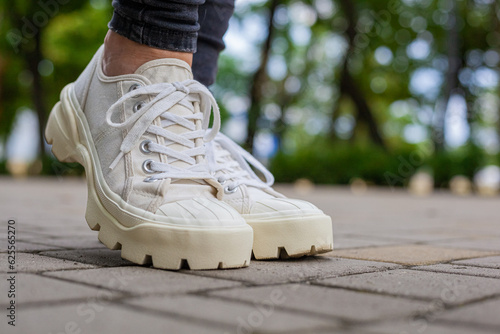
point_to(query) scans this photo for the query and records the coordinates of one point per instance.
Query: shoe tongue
(165, 70)
(169, 70)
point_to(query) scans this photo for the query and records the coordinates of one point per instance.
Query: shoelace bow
(237, 168)
(168, 95)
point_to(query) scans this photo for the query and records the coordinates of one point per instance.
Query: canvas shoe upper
(141, 138)
(283, 227)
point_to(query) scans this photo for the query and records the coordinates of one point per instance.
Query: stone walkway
(402, 265)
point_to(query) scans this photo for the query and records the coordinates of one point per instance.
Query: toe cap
(201, 212)
(283, 207)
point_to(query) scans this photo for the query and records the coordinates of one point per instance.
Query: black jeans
(179, 25)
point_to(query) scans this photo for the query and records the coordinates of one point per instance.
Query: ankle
(124, 56)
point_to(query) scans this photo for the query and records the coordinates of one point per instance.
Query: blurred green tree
(388, 77)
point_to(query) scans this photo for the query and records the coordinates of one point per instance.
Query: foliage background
(330, 90)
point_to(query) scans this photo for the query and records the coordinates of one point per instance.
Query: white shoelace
(232, 163)
(168, 95)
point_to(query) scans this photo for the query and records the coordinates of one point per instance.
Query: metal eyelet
(229, 190)
(146, 166)
(134, 87)
(221, 181)
(144, 146)
(138, 106)
(150, 179)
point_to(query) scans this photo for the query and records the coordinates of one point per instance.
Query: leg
(282, 227)
(214, 18)
(141, 31)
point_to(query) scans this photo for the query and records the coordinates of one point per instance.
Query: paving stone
(431, 235)
(142, 280)
(486, 262)
(64, 198)
(419, 326)
(327, 330)
(75, 242)
(99, 257)
(480, 243)
(346, 242)
(339, 303)
(447, 288)
(21, 235)
(40, 235)
(479, 314)
(416, 235)
(297, 270)
(26, 262)
(384, 210)
(241, 317)
(24, 246)
(410, 254)
(461, 269)
(96, 317)
(33, 288)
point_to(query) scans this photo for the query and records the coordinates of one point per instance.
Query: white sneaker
(282, 227)
(141, 140)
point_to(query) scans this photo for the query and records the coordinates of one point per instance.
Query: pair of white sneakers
(164, 188)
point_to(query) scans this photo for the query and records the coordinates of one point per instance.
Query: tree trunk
(2, 70)
(451, 84)
(365, 115)
(259, 78)
(280, 126)
(33, 58)
(32, 55)
(496, 27)
(348, 85)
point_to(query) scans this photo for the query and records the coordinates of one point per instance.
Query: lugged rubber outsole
(165, 246)
(291, 237)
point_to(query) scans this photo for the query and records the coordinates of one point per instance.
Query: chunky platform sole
(141, 240)
(292, 237)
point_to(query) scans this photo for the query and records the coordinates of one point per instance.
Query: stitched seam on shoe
(222, 206)
(184, 209)
(127, 189)
(206, 207)
(144, 194)
(161, 141)
(267, 206)
(102, 135)
(246, 200)
(129, 170)
(87, 86)
(236, 203)
(286, 200)
(157, 201)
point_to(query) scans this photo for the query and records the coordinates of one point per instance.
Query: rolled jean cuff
(153, 36)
